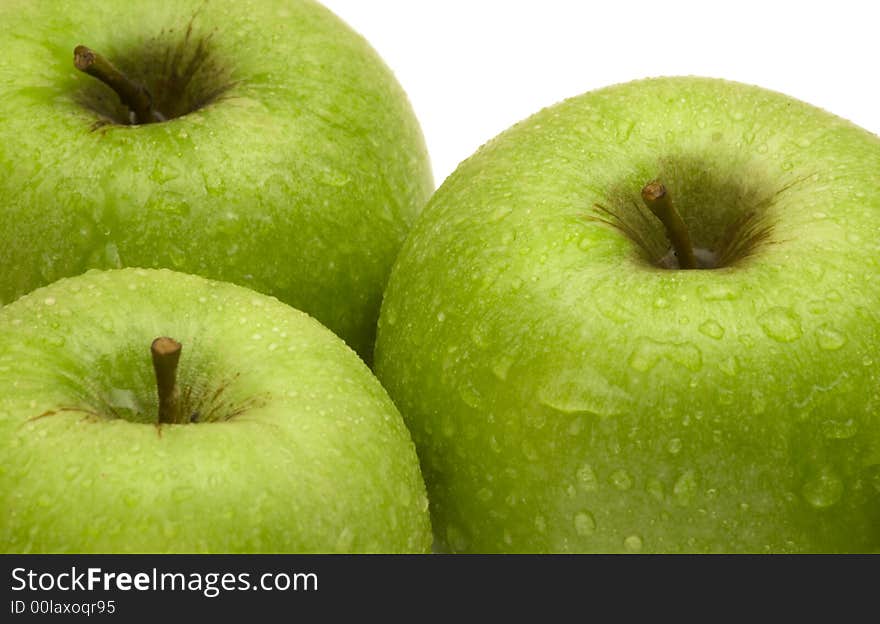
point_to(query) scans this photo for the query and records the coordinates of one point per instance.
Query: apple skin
(565, 394)
(310, 455)
(300, 181)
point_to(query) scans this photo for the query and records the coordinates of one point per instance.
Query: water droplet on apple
(872, 476)
(540, 524)
(648, 353)
(470, 395)
(479, 336)
(712, 329)
(621, 479)
(673, 447)
(829, 338)
(643, 358)
(47, 268)
(123, 399)
(494, 446)
(345, 540)
(781, 324)
(584, 523)
(335, 177)
(441, 316)
(536, 419)
(587, 478)
(614, 311)
(112, 259)
(839, 429)
(817, 307)
(499, 213)
(404, 494)
(729, 366)
(624, 129)
(725, 397)
(576, 426)
(529, 450)
(718, 292)
(502, 367)
(824, 489)
(390, 316)
(759, 401)
(573, 393)
(456, 538)
(654, 487)
(854, 238)
(684, 488)
(176, 256)
(661, 303)
(633, 544)
(183, 493)
(447, 426)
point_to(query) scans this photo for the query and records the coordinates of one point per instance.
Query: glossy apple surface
(566, 392)
(291, 162)
(295, 447)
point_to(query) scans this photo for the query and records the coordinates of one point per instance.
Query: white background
(472, 68)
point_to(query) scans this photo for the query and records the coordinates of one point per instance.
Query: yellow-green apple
(258, 142)
(153, 411)
(647, 319)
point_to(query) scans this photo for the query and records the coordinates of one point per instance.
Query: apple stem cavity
(133, 95)
(166, 355)
(658, 201)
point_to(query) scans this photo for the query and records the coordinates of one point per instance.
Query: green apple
(271, 437)
(290, 160)
(570, 387)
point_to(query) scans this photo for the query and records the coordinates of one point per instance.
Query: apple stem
(131, 94)
(166, 354)
(658, 201)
